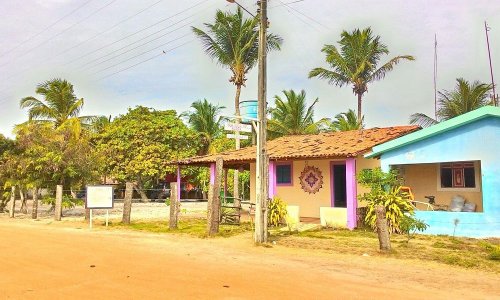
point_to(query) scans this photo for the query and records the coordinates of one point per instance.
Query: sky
(112, 52)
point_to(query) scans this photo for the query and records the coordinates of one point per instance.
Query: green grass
(463, 252)
(193, 227)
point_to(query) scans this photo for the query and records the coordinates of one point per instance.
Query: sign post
(99, 197)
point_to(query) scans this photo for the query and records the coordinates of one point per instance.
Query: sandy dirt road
(62, 261)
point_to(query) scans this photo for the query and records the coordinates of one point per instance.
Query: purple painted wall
(272, 179)
(352, 202)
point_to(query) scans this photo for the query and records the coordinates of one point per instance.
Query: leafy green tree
(356, 62)
(464, 98)
(232, 41)
(59, 107)
(291, 116)
(205, 119)
(346, 121)
(137, 146)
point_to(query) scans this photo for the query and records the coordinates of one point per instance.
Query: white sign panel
(237, 136)
(238, 127)
(99, 196)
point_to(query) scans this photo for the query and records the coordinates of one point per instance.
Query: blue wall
(479, 140)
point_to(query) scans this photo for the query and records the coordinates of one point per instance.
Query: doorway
(339, 191)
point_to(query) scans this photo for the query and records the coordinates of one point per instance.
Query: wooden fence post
(58, 206)
(174, 206)
(12, 201)
(382, 230)
(127, 202)
(214, 200)
(34, 211)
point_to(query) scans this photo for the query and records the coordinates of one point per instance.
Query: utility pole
(262, 166)
(486, 29)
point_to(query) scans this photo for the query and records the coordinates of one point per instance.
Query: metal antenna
(435, 76)
(486, 29)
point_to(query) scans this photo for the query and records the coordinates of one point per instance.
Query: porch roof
(341, 144)
(475, 115)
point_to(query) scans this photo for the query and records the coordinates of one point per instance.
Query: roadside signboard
(237, 136)
(99, 197)
(238, 127)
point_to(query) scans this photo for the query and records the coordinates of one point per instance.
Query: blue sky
(30, 53)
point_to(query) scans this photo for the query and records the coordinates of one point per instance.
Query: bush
(494, 254)
(68, 202)
(385, 190)
(409, 225)
(277, 212)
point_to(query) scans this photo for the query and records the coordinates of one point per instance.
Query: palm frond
(423, 120)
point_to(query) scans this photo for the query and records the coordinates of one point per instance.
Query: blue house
(454, 165)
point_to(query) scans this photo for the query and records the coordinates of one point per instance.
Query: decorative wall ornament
(311, 179)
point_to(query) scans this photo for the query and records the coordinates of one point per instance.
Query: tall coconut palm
(59, 107)
(346, 121)
(232, 41)
(464, 98)
(205, 119)
(291, 116)
(356, 62)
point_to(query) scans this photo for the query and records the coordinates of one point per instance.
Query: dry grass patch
(463, 252)
(194, 227)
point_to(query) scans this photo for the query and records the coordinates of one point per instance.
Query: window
(284, 174)
(458, 175)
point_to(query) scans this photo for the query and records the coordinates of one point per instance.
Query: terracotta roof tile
(324, 145)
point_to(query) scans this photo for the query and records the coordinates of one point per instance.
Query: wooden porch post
(213, 211)
(352, 201)
(179, 184)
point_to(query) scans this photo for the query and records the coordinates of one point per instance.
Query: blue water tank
(249, 109)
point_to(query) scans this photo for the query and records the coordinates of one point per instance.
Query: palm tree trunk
(236, 173)
(359, 106)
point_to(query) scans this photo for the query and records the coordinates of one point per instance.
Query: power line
(132, 34)
(107, 45)
(306, 16)
(61, 32)
(141, 62)
(142, 53)
(45, 29)
(111, 28)
(86, 64)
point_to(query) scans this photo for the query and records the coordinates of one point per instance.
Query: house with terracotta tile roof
(455, 166)
(314, 174)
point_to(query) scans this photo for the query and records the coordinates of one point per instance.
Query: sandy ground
(61, 260)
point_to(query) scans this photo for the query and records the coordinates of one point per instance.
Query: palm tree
(292, 117)
(59, 107)
(232, 41)
(356, 62)
(464, 98)
(346, 121)
(205, 120)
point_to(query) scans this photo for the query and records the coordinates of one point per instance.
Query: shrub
(494, 254)
(276, 212)
(409, 225)
(68, 202)
(385, 190)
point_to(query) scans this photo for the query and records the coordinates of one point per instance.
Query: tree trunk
(213, 210)
(87, 214)
(360, 115)
(12, 202)
(382, 230)
(127, 202)
(140, 189)
(174, 206)
(24, 205)
(236, 193)
(34, 211)
(58, 205)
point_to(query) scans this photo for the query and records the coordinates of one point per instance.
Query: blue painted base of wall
(475, 225)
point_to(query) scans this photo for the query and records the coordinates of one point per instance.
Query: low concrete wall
(480, 225)
(333, 217)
